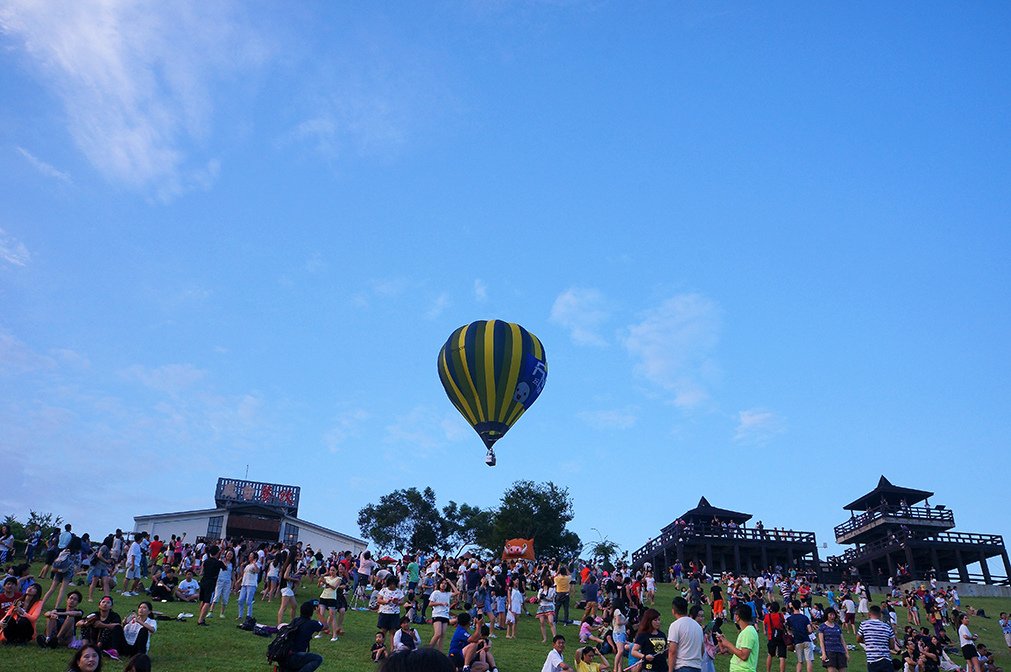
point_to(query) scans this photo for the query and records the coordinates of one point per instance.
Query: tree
(604, 550)
(466, 525)
(539, 511)
(404, 520)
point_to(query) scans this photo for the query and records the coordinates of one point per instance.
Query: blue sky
(765, 246)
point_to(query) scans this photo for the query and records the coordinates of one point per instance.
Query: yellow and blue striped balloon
(493, 371)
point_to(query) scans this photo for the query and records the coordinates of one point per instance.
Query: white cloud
(45, 168)
(17, 357)
(136, 80)
(757, 426)
(438, 306)
(170, 378)
(346, 425)
(13, 251)
(673, 345)
(480, 291)
(614, 418)
(583, 313)
(424, 427)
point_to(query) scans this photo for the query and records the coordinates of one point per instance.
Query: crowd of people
(469, 601)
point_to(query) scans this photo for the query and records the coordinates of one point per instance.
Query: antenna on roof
(247, 472)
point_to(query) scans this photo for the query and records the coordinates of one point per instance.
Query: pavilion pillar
(986, 569)
(1007, 564)
(765, 559)
(936, 562)
(709, 557)
(909, 560)
(737, 559)
(963, 572)
(789, 558)
(891, 564)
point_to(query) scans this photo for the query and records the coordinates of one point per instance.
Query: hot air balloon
(493, 371)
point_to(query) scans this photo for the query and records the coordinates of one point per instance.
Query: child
(515, 607)
(379, 647)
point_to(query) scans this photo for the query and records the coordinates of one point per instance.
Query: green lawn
(182, 646)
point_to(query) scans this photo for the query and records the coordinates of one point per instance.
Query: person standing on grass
(967, 641)
(684, 640)
(563, 583)
(1005, 627)
(834, 654)
(775, 627)
(650, 646)
(389, 599)
(133, 569)
(208, 580)
(745, 650)
(879, 641)
(247, 589)
(800, 626)
(223, 586)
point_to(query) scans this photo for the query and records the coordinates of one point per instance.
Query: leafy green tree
(603, 551)
(466, 525)
(404, 520)
(539, 511)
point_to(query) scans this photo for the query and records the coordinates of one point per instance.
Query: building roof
(890, 494)
(180, 514)
(705, 512)
(326, 529)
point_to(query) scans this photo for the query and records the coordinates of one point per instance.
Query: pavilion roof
(891, 494)
(706, 512)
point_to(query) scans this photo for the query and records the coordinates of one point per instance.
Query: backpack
(63, 561)
(280, 647)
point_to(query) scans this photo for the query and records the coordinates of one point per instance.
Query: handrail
(691, 533)
(851, 555)
(912, 514)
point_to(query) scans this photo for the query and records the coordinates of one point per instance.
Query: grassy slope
(182, 646)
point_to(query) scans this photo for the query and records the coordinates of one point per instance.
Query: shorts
(99, 572)
(510, 617)
(545, 610)
(717, 606)
(969, 652)
(439, 619)
(804, 651)
(388, 622)
(777, 647)
(836, 659)
(272, 579)
(1007, 639)
(133, 573)
(500, 606)
(206, 594)
(328, 602)
(51, 556)
(850, 618)
(289, 592)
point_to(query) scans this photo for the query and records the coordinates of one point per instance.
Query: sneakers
(333, 639)
(221, 615)
(204, 623)
(317, 635)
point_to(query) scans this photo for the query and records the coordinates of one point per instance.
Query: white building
(250, 510)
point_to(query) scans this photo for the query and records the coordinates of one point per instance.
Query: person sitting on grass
(137, 631)
(163, 584)
(61, 624)
(406, 638)
(587, 660)
(417, 660)
(379, 648)
(554, 662)
(301, 659)
(188, 590)
(103, 629)
(85, 659)
(18, 625)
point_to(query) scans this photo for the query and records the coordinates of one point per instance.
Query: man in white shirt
(188, 590)
(684, 640)
(554, 661)
(133, 560)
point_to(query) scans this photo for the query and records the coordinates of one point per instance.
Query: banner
(518, 548)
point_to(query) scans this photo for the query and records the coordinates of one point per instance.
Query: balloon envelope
(493, 371)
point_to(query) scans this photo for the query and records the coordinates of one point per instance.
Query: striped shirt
(877, 637)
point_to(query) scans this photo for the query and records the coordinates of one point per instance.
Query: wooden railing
(893, 541)
(911, 515)
(695, 533)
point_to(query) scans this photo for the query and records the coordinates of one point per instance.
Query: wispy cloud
(346, 425)
(426, 428)
(13, 251)
(438, 307)
(170, 378)
(673, 347)
(480, 291)
(613, 418)
(45, 168)
(583, 313)
(757, 426)
(136, 80)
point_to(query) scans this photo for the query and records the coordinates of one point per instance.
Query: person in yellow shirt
(562, 582)
(586, 660)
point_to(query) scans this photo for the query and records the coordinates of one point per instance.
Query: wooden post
(909, 560)
(737, 559)
(986, 568)
(789, 557)
(963, 573)
(936, 562)
(765, 558)
(709, 557)
(1007, 563)
(891, 564)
